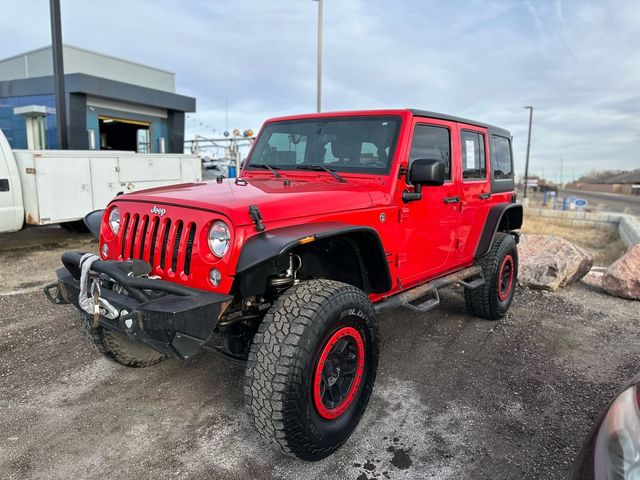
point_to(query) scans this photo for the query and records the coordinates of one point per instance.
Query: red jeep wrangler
(335, 218)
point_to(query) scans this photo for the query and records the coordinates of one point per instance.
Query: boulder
(622, 278)
(594, 277)
(548, 262)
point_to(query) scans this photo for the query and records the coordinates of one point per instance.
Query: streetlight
(319, 66)
(526, 164)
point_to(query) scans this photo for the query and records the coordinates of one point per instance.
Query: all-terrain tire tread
(275, 363)
(481, 301)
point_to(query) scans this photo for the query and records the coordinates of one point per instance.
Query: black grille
(124, 230)
(165, 239)
(143, 237)
(187, 257)
(153, 239)
(154, 235)
(176, 247)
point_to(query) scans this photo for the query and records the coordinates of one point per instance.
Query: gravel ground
(455, 397)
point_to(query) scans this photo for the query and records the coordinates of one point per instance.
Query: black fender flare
(504, 217)
(93, 220)
(270, 244)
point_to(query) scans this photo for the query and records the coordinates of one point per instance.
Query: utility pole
(526, 164)
(561, 176)
(58, 75)
(319, 65)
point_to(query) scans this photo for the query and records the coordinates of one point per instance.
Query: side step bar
(425, 306)
(404, 299)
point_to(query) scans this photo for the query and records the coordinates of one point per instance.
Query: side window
(432, 143)
(473, 158)
(501, 159)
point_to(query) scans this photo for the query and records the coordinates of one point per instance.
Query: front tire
(311, 368)
(500, 269)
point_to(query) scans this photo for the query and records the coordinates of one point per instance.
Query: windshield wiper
(315, 166)
(266, 167)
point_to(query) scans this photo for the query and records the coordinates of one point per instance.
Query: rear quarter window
(501, 161)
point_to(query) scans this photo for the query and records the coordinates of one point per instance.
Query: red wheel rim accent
(505, 278)
(338, 374)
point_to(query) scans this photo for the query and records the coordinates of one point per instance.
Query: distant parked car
(612, 449)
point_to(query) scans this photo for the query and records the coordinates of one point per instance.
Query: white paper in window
(471, 154)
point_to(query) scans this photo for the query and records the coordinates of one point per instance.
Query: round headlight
(114, 220)
(219, 238)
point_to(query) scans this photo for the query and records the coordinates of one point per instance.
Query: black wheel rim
(338, 373)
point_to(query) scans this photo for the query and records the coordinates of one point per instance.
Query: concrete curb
(627, 226)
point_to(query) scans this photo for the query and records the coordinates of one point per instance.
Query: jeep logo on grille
(159, 211)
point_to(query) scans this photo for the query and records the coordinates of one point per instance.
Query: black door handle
(455, 199)
(4, 184)
(484, 196)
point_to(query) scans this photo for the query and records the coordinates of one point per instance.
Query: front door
(428, 227)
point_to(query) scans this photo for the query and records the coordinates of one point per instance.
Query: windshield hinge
(255, 215)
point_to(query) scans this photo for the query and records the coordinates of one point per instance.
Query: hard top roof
(416, 112)
(452, 118)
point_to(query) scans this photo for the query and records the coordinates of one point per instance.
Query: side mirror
(423, 172)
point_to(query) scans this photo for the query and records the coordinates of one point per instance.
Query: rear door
(475, 188)
(428, 226)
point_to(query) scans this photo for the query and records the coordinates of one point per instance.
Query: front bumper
(170, 318)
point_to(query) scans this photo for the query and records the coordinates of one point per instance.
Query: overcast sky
(577, 62)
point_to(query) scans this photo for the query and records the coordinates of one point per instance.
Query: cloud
(575, 61)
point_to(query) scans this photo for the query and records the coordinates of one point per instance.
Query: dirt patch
(605, 245)
(29, 258)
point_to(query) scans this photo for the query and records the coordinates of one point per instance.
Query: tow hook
(107, 310)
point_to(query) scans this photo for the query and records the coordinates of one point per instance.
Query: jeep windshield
(343, 144)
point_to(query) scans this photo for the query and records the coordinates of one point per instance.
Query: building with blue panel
(113, 104)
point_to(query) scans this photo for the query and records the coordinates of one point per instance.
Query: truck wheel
(119, 348)
(75, 227)
(311, 367)
(500, 269)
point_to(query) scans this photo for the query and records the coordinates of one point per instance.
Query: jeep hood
(275, 199)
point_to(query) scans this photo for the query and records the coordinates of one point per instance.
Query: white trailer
(42, 187)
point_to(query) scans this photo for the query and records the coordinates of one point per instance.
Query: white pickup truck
(42, 187)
